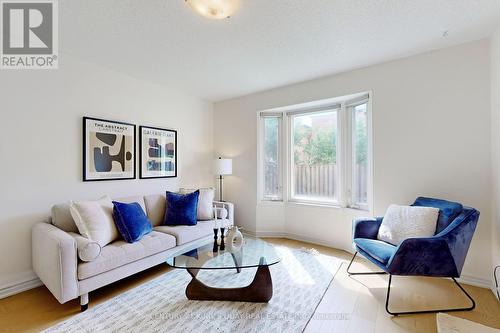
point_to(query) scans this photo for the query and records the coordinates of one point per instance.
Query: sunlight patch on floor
(294, 268)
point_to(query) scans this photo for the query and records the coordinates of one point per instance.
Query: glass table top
(252, 253)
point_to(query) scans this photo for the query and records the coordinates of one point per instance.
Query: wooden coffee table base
(260, 290)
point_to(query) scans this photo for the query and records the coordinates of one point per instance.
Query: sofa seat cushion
(379, 250)
(120, 253)
(187, 233)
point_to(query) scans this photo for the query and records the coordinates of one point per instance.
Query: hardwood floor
(351, 304)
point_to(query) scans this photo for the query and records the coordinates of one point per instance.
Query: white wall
(431, 127)
(495, 144)
(41, 145)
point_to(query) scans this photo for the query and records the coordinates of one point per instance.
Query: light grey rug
(299, 282)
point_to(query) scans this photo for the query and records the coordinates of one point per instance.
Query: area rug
(299, 283)
(452, 324)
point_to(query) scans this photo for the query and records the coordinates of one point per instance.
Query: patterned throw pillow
(402, 222)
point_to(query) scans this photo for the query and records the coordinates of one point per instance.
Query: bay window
(317, 153)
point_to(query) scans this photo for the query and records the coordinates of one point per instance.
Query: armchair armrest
(428, 256)
(366, 227)
(458, 235)
(55, 260)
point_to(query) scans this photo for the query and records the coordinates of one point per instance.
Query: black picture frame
(142, 171)
(103, 177)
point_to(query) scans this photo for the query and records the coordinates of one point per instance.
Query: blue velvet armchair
(442, 255)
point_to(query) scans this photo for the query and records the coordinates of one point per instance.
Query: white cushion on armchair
(402, 222)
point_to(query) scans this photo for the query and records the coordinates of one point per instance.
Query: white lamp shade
(223, 166)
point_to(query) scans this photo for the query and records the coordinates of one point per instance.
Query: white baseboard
(287, 235)
(475, 281)
(19, 287)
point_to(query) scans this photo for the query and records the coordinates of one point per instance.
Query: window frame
(345, 156)
(261, 116)
(290, 156)
(351, 153)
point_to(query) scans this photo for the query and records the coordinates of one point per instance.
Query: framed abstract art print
(108, 150)
(158, 152)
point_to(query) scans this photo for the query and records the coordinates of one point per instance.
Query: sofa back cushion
(137, 198)
(61, 216)
(448, 210)
(155, 208)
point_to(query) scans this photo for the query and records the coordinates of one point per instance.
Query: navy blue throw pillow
(181, 208)
(131, 221)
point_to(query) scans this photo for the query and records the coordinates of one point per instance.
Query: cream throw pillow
(402, 222)
(94, 220)
(205, 209)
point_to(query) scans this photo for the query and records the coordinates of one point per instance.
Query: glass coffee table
(254, 252)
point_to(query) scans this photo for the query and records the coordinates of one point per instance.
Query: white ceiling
(267, 43)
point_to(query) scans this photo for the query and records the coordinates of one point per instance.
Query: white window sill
(309, 204)
(271, 203)
(314, 204)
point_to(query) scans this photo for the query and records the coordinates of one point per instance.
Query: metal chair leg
(428, 311)
(360, 273)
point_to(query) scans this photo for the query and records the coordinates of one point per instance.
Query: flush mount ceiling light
(214, 9)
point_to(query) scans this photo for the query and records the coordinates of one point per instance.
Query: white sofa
(57, 245)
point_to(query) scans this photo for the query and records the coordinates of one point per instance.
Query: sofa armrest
(55, 260)
(366, 228)
(428, 256)
(230, 210)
